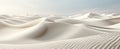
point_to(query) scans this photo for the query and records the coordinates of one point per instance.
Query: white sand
(88, 31)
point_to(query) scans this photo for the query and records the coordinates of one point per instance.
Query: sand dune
(88, 31)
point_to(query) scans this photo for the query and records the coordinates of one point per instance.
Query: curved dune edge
(89, 31)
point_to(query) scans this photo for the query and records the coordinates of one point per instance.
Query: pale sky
(60, 7)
